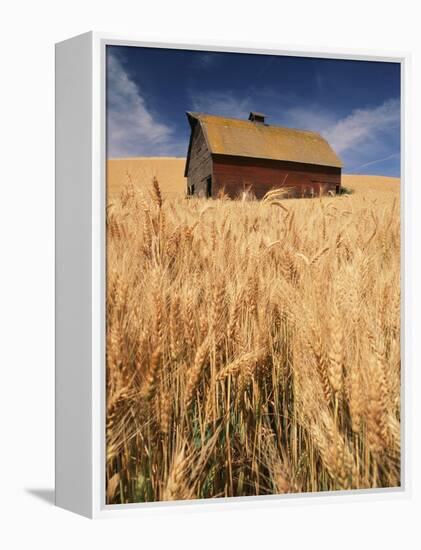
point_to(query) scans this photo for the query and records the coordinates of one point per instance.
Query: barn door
(209, 186)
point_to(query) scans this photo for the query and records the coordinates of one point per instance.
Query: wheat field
(138, 170)
(252, 347)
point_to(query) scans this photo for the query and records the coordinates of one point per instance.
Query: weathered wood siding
(200, 164)
(235, 174)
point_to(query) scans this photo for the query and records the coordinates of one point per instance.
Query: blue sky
(354, 104)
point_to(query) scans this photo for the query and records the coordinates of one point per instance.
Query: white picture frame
(80, 278)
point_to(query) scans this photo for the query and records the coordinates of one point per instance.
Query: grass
(345, 190)
(252, 347)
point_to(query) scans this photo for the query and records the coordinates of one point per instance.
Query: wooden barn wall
(235, 174)
(200, 164)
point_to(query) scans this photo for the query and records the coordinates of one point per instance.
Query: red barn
(233, 156)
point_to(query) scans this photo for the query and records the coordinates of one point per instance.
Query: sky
(355, 105)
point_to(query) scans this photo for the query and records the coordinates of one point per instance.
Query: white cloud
(364, 137)
(132, 129)
(361, 128)
(364, 126)
(308, 118)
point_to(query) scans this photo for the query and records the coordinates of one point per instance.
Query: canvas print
(252, 275)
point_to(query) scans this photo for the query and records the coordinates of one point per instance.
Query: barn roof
(243, 138)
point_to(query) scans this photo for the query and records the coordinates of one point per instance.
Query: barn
(232, 156)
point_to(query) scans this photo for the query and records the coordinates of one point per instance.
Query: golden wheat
(250, 349)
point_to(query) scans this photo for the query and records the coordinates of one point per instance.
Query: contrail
(373, 162)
